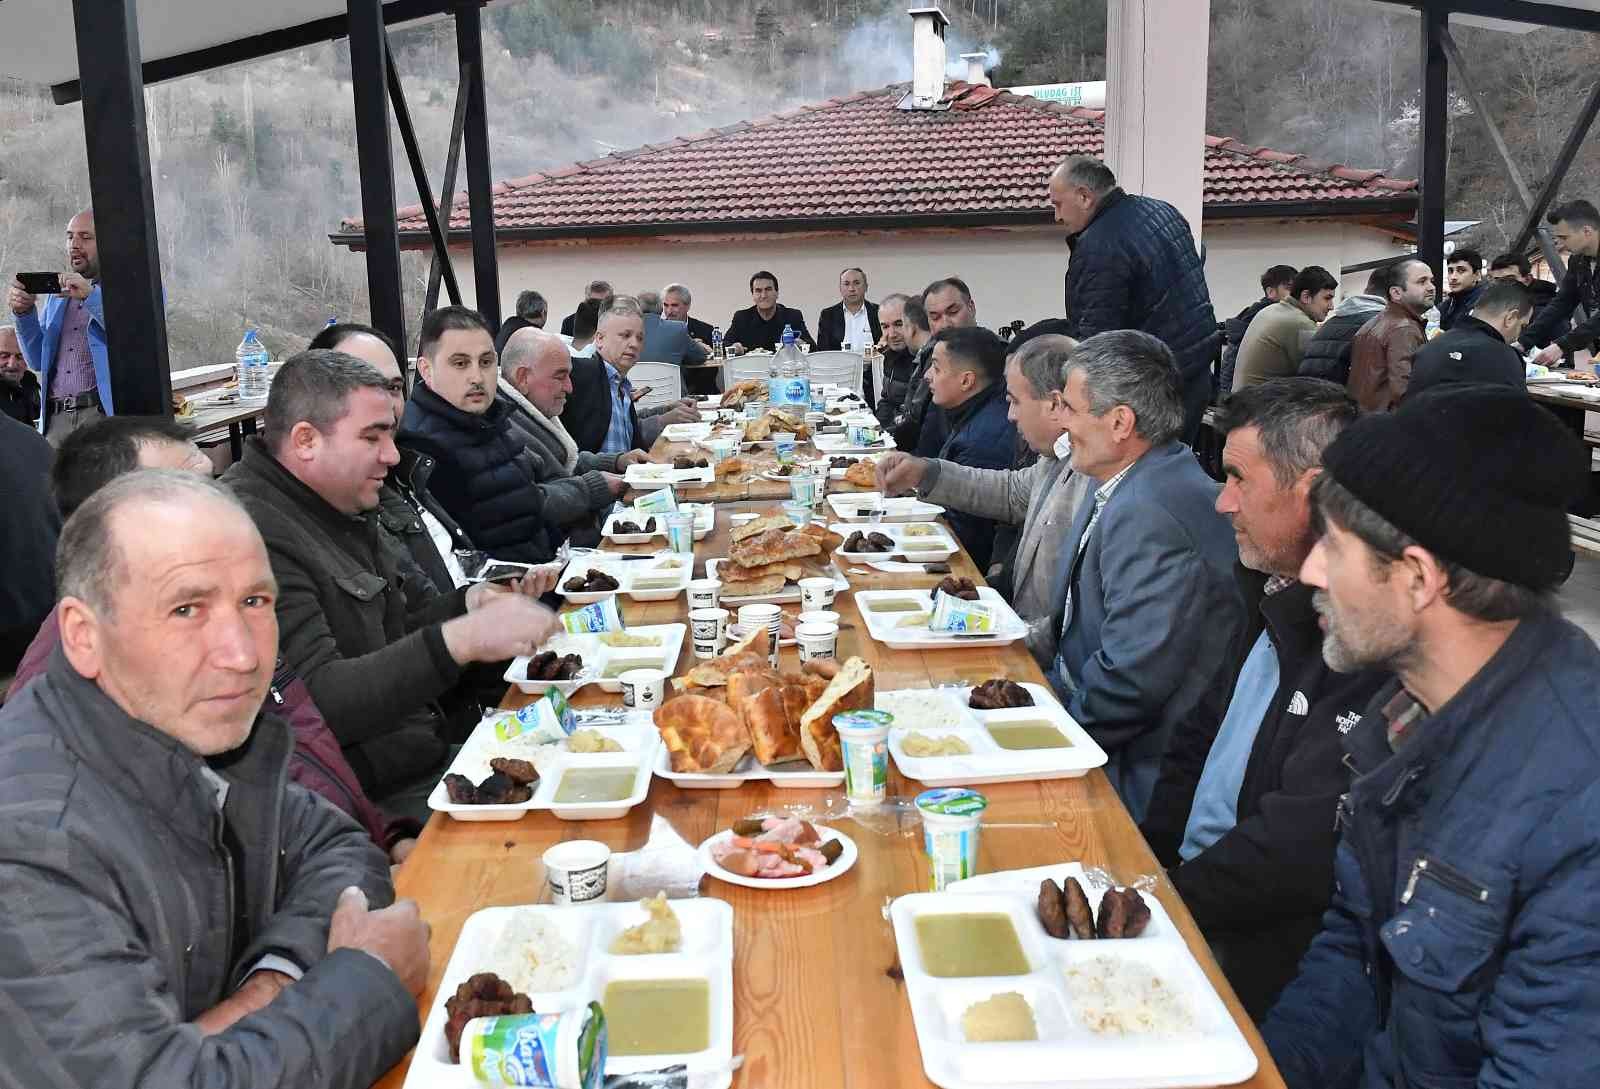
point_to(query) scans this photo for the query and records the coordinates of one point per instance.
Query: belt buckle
(69, 403)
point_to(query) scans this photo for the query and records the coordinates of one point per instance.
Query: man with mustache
(1242, 814)
(1460, 947)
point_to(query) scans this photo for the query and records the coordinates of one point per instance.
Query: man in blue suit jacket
(68, 346)
(1149, 612)
(666, 341)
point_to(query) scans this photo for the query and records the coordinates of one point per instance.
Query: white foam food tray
(796, 774)
(841, 444)
(581, 565)
(670, 569)
(884, 626)
(707, 954)
(789, 593)
(627, 572)
(705, 520)
(937, 545)
(665, 476)
(838, 474)
(687, 432)
(943, 712)
(595, 652)
(1068, 1054)
(850, 507)
(639, 742)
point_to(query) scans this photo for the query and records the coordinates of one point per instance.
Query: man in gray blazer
(1148, 609)
(665, 340)
(1043, 499)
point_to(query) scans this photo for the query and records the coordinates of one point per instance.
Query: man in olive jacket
(174, 912)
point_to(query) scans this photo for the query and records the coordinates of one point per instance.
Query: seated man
(597, 292)
(482, 475)
(374, 662)
(176, 912)
(579, 487)
(1460, 948)
(1043, 498)
(948, 303)
(585, 323)
(1149, 609)
(531, 313)
(1276, 339)
(967, 382)
(760, 325)
(600, 414)
(905, 331)
(665, 340)
(1478, 349)
(1247, 796)
(19, 387)
(675, 303)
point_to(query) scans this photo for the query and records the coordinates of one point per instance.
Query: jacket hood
(1358, 304)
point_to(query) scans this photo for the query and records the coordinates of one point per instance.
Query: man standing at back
(1277, 337)
(1149, 610)
(1380, 354)
(1576, 226)
(68, 345)
(1134, 266)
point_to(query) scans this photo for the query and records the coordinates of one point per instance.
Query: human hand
(254, 994)
(402, 849)
(900, 472)
(74, 286)
(736, 348)
(615, 483)
(504, 625)
(640, 391)
(681, 414)
(396, 935)
(1549, 355)
(539, 580)
(632, 457)
(19, 300)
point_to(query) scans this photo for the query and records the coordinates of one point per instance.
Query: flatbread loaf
(759, 525)
(862, 474)
(850, 690)
(701, 735)
(772, 546)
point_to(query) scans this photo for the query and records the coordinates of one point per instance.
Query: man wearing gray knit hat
(1460, 946)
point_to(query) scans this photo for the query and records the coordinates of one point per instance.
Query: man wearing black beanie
(1459, 946)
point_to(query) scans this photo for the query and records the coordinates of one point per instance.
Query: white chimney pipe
(975, 75)
(927, 56)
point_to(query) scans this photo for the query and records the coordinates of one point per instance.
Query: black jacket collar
(969, 408)
(431, 404)
(1467, 322)
(259, 463)
(1105, 204)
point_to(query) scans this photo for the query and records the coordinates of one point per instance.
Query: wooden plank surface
(818, 1002)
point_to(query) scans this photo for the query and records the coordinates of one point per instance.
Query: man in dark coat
(1576, 226)
(1135, 266)
(1459, 948)
(27, 539)
(1463, 280)
(1242, 815)
(905, 331)
(1327, 354)
(531, 313)
(599, 291)
(19, 387)
(967, 382)
(760, 325)
(1517, 268)
(1479, 348)
(852, 320)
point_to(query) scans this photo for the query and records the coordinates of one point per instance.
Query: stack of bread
(737, 704)
(777, 421)
(751, 389)
(771, 551)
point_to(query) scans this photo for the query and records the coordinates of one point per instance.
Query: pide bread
(773, 546)
(863, 474)
(849, 690)
(701, 734)
(759, 525)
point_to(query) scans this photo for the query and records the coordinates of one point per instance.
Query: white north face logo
(1299, 705)
(1347, 721)
(1456, 356)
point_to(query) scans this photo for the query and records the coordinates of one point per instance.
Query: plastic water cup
(576, 870)
(784, 445)
(707, 628)
(754, 410)
(816, 593)
(680, 531)
(818, 642)
(950, 824)
(705, 593)
(798, 513)
(864, 737)
(803, 488)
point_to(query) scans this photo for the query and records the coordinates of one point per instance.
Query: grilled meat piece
(1123, 914)
(995, 694)
(1080, 916)
(518, 771)
(1053, 909)
(460, 789)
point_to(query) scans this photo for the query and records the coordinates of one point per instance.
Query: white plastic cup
(742, 518)
(705, 593)
(798, 513)
(818, 642)
(818, 616)
(754, 410)
(643, 688)
(784, 445)
(707, 627)
(576, 870)
(950, 823)
(680, 532)
(864, 737)
(803, 488)
(752, 617)
(816, 593)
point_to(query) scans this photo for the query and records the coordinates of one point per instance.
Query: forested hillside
(256, 164)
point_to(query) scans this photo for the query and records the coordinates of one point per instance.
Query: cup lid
(952, 802)
(867, 720)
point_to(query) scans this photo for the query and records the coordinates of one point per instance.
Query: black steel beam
(419, 173)
(1517, 11)
(447, 191)
(1558, 169)
(125, 208)
(480, 182)
(1435, 140)
(257, 46)
(368, 53)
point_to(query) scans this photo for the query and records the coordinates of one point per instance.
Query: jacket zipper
(1449, 877)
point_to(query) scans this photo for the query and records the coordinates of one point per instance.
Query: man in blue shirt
(1249, 786)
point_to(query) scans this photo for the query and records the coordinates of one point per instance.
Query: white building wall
(1014, 274)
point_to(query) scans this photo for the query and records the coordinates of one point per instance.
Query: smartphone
(40, 283)
(502, 572)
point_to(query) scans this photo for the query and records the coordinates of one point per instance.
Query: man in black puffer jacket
(1327, 353)
(1134, 266)
(483, 476)
(905, 331)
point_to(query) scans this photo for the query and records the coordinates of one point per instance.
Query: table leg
(236, 441)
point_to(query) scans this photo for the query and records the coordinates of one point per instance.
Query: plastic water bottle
(717, 351)
(252, 361)
(780, 370)
(797, 380)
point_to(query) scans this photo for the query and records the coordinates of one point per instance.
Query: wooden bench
(1585, 534)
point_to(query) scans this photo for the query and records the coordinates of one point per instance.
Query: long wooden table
(818, 1000)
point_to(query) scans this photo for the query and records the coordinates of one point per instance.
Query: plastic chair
(837, 369)
(877, 377)
(664, 379)
(736, 369)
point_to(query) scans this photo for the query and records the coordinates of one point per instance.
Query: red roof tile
(859, 156)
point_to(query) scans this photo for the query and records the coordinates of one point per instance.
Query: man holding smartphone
(67, 345)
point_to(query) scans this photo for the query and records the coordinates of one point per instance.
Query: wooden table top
(818, 1002)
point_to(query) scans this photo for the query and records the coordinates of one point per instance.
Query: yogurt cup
(950, 817)
(803, 488)
(754, 410)
(576, 870)
(799, 514)
(784, 445)
(816, 593)
(818, 642)
(864, 737)
(818, 616)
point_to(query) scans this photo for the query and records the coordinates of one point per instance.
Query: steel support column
(419, 174)
(1435, 144)
(480, 194)
(124, 203)
(368, 61)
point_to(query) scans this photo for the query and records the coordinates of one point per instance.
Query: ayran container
(864, 736)
(545, 1050)
(680, 532)
(950, 817)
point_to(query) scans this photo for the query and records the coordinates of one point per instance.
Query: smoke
(878, 51)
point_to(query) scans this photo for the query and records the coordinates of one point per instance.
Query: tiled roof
(860, 158)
